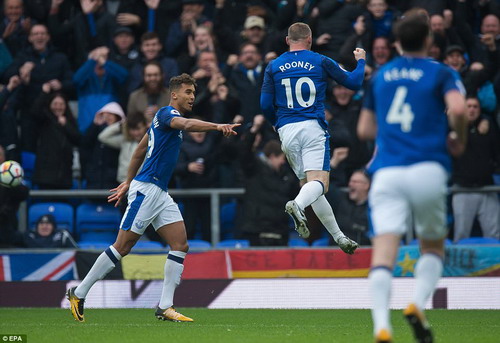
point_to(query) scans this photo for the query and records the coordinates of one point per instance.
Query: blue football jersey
(298, 81)
(407, 96)
(163, 149)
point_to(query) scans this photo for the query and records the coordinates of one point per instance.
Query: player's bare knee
(432, 246)
(184, 247)
(124, 248)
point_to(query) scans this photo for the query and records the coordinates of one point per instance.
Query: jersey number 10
(400, 112)
(298, 92)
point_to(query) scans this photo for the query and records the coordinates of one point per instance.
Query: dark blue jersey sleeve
(352, 80)
(267, 84)
(267, 95)
(267, 106)
(164, 117)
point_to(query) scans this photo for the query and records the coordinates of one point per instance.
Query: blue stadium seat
(297, 242)
(147, 245)
(28, 163)
(63, 213)
(97, 223)
(415, 242)
(322, 242)
(478, 240)
(199, 244)
(93, 245)
(227, 216)
(233, 243)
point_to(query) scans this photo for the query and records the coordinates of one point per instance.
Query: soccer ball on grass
(11, 174)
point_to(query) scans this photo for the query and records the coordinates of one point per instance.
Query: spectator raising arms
(97, 83)
(15, 26)
(37, 65)
(57, 136)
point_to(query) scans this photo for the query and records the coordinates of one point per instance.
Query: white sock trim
(180, 254)
(115, 252)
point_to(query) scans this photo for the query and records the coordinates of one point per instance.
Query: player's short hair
(412, 31)
(176, 82)
(298, 32)
(273, 147)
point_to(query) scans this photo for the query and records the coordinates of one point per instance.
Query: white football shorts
(148, 204)
(405, 195)
(306, 146)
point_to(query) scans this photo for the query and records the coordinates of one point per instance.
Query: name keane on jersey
(296, 64)
(396, 74)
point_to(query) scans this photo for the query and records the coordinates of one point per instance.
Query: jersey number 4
(298, 92)
(400, 111)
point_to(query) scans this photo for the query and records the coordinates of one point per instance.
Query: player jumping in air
(294, 92)
(149, 201)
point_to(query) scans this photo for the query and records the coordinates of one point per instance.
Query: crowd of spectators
(110, 55)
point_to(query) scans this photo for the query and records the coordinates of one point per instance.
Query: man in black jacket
(474, 169)
(269, 184)
(196, 168)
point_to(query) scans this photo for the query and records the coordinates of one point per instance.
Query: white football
(11, 174)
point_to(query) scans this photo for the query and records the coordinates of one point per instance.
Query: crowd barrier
(214, 194)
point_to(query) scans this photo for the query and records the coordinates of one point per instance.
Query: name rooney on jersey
(296, 64)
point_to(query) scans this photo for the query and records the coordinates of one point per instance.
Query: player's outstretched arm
(135, 163)
(184, 124)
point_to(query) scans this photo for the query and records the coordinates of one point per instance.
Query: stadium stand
(297, 242)
(233, 243)
(478, 240)
(227, 216)
(199, 244)
(97, 223)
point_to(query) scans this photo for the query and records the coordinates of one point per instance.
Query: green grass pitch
(304, 326)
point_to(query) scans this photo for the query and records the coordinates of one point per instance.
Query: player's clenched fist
(359, 54)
